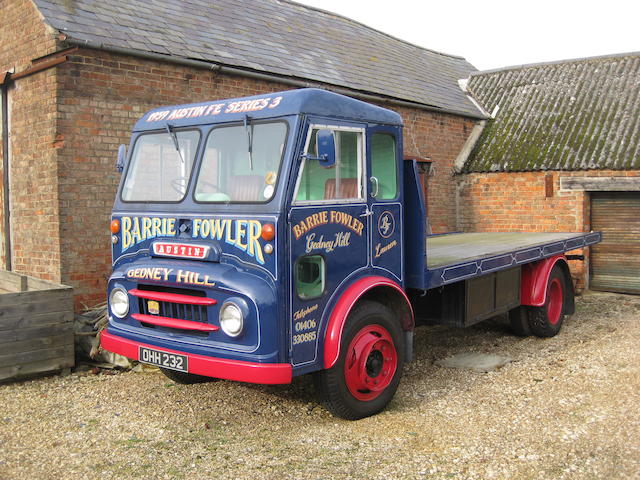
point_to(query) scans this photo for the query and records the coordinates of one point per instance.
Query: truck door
(329, 233)
(386, 203)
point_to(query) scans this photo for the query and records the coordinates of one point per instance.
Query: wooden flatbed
(458, 256)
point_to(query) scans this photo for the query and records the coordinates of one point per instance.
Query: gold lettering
(157, 227)
(167, 272)
(146, 228)
(241, 233)
(381, 250)
(170, 229)
(227, 227)
(196, 226)
(182, 277)
(135, 231)
(217, 228)
(253, 244)
(127, 240)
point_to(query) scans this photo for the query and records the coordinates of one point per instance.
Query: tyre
(367, 373)
(546, 321)
(519, 319)
(185, 378)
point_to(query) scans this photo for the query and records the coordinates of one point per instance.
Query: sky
(499, 33)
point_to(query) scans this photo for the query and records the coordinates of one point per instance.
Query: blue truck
(262, 238)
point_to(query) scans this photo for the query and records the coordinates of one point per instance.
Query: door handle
(367, 213)
(375, 187)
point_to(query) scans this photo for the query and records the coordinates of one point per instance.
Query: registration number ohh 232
(164, 359)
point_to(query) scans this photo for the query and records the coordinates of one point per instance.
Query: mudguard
(535, 279)
(349, 298)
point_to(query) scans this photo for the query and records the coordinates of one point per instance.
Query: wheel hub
(371, 362)
(554, 302)
(374, 363)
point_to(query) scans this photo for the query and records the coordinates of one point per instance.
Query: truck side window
(339, 182)
(383, 165)
(310, 274)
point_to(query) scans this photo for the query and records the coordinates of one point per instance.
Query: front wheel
(546, 321)
(367, 373)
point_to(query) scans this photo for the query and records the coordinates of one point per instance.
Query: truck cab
(237, 239)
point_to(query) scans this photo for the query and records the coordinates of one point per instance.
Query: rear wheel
(367, 373)
(185, 378)
(546, 321)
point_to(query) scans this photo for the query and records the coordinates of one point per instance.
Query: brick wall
(439, 137)
(517, 201)
(33, 142)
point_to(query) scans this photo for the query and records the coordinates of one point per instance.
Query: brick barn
(75, 76)
(562, 153)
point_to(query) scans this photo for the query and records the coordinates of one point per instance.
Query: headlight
(119, 302)
(231, 319)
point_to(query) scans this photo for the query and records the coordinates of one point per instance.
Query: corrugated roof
(274, 36)
(572, 115)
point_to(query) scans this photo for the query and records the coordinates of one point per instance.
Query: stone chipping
(564, 408)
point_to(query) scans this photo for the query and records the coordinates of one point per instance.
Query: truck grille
(173, 303)
(194, 313)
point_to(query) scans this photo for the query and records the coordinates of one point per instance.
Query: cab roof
(310, 101)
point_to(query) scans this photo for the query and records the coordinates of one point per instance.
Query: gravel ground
(565, 408)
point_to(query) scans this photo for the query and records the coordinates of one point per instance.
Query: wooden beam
(600, 184)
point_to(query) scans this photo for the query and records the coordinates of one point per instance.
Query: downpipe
(5, 174)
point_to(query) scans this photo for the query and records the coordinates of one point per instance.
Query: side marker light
(268, 232)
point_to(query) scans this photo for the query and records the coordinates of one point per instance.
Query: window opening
(384, 165)
(310, 277)
(341, 181)
(228, 175)
(157, 171)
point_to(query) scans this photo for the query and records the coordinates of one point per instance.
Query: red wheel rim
(371, 362)
(554, 301)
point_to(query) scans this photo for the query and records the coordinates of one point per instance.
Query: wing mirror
(122, 156)
(326, 146)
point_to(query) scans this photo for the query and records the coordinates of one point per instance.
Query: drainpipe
(4, 86)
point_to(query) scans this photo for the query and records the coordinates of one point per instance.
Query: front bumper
(264, 373)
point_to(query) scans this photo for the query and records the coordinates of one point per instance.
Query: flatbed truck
(262, 238)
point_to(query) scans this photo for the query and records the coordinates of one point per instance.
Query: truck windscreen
(241, 163)
(157, 171)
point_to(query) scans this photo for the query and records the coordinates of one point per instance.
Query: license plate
(163, 359)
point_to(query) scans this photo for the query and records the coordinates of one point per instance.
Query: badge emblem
(153, 307)
(386, 225)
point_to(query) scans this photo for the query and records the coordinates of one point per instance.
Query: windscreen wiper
(249, 129)
(174, 137)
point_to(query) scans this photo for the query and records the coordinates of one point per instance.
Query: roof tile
(279, 36)
(573, 115)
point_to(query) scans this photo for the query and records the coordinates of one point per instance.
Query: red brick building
(76, 75)
(562, 153)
